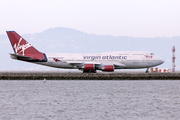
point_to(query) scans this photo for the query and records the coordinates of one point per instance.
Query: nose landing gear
(147, 70)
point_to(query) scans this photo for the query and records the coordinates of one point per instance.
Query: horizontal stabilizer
(15, 55)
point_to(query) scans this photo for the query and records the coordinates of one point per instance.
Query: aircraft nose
(161, 61)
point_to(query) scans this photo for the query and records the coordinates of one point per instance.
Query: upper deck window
(152, 54)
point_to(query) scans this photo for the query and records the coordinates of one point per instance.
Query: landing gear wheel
(89, 71)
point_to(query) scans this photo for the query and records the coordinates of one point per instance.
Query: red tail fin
(22, 47)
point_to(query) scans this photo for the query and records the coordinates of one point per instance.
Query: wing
(119, 65)
(80, 64)
(97, 64)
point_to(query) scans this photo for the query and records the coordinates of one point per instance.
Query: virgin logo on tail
(21, 48)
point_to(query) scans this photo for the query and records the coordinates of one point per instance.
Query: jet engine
(108, 68)
(89, 67)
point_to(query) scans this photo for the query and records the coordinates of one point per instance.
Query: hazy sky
(138, 18)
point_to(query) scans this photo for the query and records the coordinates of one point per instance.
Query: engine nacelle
(89, 67)
(108, 68)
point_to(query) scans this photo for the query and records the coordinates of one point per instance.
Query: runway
(87, 76)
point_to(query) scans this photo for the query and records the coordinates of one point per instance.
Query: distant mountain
(67, 40)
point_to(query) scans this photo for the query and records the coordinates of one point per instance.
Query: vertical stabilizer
(22, 48)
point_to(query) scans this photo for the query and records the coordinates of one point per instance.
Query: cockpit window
(152, 54)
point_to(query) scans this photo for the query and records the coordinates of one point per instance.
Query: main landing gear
(89, 71)
(147, 70)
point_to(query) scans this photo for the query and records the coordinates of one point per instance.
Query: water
(92, 100)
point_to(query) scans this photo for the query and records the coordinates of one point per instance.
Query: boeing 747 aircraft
(108, 61)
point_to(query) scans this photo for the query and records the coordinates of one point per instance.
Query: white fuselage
(121, 60)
